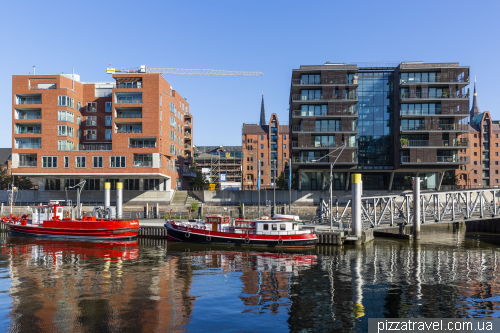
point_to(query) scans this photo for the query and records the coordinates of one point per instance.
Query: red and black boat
(48, 221)
(280, 231)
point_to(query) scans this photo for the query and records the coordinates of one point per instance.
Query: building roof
(215, 149)
(258, 129)
(5, 155)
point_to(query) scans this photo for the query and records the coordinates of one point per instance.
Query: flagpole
(258, 187)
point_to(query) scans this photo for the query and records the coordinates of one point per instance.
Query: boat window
(275, 227)
(282, 226)
(266, 226)
(294, 226)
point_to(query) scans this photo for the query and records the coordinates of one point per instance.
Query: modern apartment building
(484, 140)
(396, 121)
(135, 129)
(216, 162)
(267, 144)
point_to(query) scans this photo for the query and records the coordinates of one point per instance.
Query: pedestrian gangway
(436, 206)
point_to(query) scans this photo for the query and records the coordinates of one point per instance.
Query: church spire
(474, 111)
(262, 113)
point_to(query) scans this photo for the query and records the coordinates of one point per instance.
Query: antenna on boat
(79, 189)
(12, 196)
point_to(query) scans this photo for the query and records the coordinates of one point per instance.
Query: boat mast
(79, 188)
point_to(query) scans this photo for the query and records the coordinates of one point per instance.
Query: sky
(273, 37)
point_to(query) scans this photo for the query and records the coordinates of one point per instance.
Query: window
(131, 184)
(27, 160)
(284, 146)
(262, 172)
(261, 146)
(496, 172)
(475, 154)
(108, 120)
(97, 161)
(78, 120)
(496, 136)
(475, 135)
(142, 143)
(496, 162)
(63, 130)
(65, 145)
(91, 121)
(143, 160)
(152, 184)
(66, 116)
(496, 180)
(108, 134)
(475, 145)
(266, 226)
(112, 182)
(172, 107)
(81, 162)
(475, 162)
(284, 154)
(262, 155)
(282, 226)
(79, 106)
(108, 106)
(66, 101)
(475, 180)
(496, 153)
(496, 144)
(475, 172)
(274, 226)
(172, 121)
(172, 149)
(52, 184)
(129, 128)
(262, 137)
(66, 161)
(92, 185)
(92, 107)
(49, 161)
(91, 135)
(117, 161)
(284, 137)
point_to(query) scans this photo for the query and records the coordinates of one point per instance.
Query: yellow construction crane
(145, 69)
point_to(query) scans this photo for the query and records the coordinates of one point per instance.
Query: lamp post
(331, 177)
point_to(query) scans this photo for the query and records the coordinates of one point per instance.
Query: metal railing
(325, 81)
(29, 146)
(96, 147)
(438, 80)
(52, 86)
(434, 159)
(299, 128)
(427, 143)
(22, 101)
(341, 159)
(427, 95)
(316, 144)
(128, 85)
(28, 164)
(126, 100)
(317, 97)
(435, 127)
(303, 113)
(29, 115)
(129, 115)
(143, 164)
(37, 130)
(125, 130)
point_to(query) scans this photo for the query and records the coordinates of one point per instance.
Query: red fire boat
(48, 221)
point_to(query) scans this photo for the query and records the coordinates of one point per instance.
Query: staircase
(182, 198)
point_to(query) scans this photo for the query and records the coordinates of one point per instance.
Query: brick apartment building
(135, 129)
(267, 144)
(396, 120)
(483, 171)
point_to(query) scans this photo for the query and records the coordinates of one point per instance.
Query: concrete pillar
(416, 207)
(119, 200)
(243, 210)
(107, 194)
(357, 188)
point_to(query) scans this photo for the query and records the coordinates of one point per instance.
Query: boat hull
(121, 233)
(183, 234)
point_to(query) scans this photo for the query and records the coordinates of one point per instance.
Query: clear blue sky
(269, 36)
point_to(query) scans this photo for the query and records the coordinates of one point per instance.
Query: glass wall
(375, 120)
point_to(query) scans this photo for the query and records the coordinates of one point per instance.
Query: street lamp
(341, 148)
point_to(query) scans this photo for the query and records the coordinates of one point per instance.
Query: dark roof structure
(5, 155)
(258, 129)
(262, 113)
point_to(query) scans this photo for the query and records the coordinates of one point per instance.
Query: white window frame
(119, 167)
(93, 120)
(93, 133)
(91, 107)
(79, 106)
(52, 159)
(67, 101)
(94, 158)
(84, 162)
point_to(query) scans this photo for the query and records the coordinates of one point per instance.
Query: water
(151, 286)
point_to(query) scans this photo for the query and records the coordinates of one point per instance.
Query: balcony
(29, 99)
(353, 96)
(343, 159)
(128, 98)
(27, 129)
(435, 127)
(316, 144)
(128, 128)
(463, 143)
(333, 113)
(428, 95)
(128, 85)
(142, 143)
(187, 124)
(42, 86)
(35, 114)
(143, 160)
(407, 81)
(339, 81)
(299, 128)
(427, 112)
(435, 160)
(27, 160)
(186, 172)
(128, 113)
(95, 147)
(28, 143)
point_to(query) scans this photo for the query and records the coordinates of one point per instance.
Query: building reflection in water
(70, 286)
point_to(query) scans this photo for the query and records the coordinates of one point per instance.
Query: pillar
(107, 194)
(357, 188)
(119, 200)
(416, 208)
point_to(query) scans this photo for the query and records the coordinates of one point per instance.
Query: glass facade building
(394, 123)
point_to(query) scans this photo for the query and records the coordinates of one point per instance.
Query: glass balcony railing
(316, 81)
(351, 128)
(317, 144)
(130, 114)
(128, 99)
(28, 164)
(307, 113)
(24, 130)
(128, 85)
(97, 147)
(435, 159)
(430, 95)
(29, 115)
(317, 97)
(29, 100)
(435, 127)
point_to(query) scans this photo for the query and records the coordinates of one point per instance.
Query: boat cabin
(276, 226)
(45, 213)
(216, 223)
